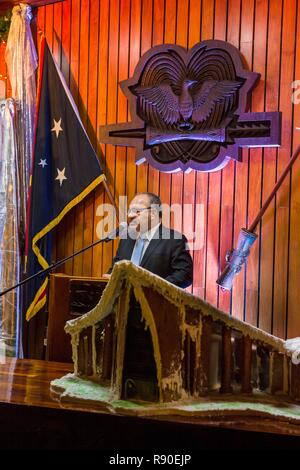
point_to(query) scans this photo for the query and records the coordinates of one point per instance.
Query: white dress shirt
(147, 236)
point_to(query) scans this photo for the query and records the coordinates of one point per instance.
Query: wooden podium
(69, 298)
(165, 345)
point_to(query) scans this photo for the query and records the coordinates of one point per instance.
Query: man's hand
(106, 276)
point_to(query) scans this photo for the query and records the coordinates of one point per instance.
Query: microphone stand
(54, 265)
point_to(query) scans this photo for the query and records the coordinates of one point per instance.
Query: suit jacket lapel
(151, 247)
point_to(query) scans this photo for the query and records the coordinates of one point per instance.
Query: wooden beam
(8, 4)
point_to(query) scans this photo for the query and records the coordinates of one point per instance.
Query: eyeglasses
(136, 211)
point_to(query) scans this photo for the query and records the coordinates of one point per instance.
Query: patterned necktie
(137, 251)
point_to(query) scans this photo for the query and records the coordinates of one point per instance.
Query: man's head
(144, 212)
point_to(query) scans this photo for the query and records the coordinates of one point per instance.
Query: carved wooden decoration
(149, 347)
(190, 109)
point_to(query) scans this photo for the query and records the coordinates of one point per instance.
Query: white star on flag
(43, 163)
(61, 176)
(57, 127)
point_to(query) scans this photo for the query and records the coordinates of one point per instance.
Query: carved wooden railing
(197, 350)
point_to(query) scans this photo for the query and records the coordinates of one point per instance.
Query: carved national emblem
(189, 109)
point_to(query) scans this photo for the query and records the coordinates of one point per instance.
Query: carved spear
(235, 258)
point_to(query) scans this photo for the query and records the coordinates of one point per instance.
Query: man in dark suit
(152, 246)
(163, 252)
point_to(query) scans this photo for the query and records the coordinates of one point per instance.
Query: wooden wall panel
(101, 120)
(293, 318)
(152, 182)
(281, 264)
(255, 160)
(97, 44)
(66, 70)
(5, 90)
(272, 79)
(227, 174)
(121, 152)
(76, 216)
(244, 40)
(201, 186)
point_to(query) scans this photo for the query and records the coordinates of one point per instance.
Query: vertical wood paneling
(134, 55)
(201, 192)
(57, 32)
(165, 179)
(121, 152)
(66, 70)
(85, 88)
(227, 175)
(98, 43)
(219, 216)
(269, 171)
(255, 159)
(39, 26)
(101, 120)
(293, 320)
(282, 199)
(213, 181)
(66, 40)
(157, 38)
(112, 103)
(92, 41)
(207, 31)
(190, 178)
(246, 13)
(74, 88)
(177, 186)
(4, 82)
(49, 26)
(146, 43)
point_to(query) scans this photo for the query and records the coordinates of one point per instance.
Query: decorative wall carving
(190, 109)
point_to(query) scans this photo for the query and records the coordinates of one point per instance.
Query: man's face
(141, 217)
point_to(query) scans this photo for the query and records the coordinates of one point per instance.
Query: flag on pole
(65, 169)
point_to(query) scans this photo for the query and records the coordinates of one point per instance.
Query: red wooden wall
(97, 43)
(5, 88)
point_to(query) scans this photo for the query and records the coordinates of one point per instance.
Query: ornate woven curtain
(9, 230)
(21, 59)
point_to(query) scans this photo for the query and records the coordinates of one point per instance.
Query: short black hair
(154, 200)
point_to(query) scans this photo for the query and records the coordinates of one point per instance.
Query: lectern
(69, 298)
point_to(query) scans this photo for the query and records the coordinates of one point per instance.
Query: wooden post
(187, 363)
(247, 363)
(108, 343)
(264, 366)
(85, 365)
(203, 370)
(295, 381)
(276, 374)
(226, 364)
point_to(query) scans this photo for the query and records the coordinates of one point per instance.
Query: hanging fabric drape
(21, 59)
(9, 230)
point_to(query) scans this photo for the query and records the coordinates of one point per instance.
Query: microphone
(117, 232)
